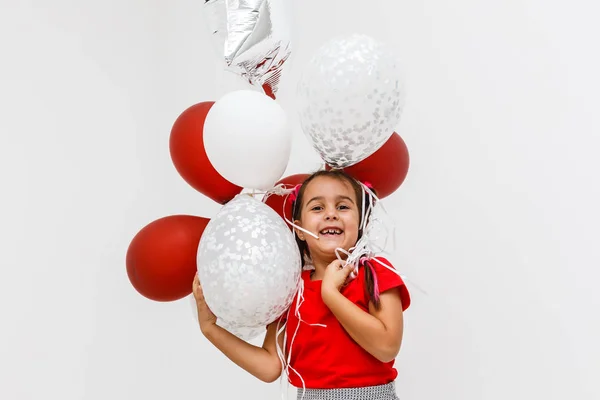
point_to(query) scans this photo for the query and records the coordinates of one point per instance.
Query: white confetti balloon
(244, 332)
(350, 97)
(248, 264)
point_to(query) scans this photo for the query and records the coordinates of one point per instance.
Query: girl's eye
(316, 208)
(343, 207)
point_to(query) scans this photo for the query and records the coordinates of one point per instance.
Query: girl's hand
(336, 275)
(206, 318)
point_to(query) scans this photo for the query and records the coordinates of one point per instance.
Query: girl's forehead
(328, 186)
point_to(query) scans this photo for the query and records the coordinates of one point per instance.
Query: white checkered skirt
(381, 392)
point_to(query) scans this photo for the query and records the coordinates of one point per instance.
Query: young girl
(343, 333)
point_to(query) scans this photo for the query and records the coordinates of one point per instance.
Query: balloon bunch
(350, 99)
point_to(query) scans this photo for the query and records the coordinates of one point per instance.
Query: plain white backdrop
(498, 219)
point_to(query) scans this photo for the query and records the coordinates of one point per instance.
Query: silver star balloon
(252, 37)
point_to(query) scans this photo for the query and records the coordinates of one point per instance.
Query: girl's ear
(299, 233)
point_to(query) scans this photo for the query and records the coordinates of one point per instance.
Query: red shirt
(327, 357)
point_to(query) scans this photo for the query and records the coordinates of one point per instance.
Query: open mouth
(331, 232)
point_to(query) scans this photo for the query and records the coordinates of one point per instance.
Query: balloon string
(404, 278)
(286, 364)
(283, 190)
(279, 189)
(365, 248)
(293, 224)
(280, 354)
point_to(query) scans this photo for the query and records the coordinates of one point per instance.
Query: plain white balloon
(248, 264)
(248, 139)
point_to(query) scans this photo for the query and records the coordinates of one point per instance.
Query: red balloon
(276, 202)
(385, 169)
(189, 156)
(161, 258)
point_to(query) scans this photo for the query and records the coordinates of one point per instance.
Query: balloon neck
(268, 90)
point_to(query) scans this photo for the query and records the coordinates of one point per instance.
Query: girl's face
(329, 210)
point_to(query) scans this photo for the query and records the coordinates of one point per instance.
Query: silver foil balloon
(253, 37)
(248, 264)
(350, 97)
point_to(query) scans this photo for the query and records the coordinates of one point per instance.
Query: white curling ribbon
(281, 189)
(292, 223)
(365, 246)
(286, 367)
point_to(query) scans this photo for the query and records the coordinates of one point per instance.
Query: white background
(497, 221)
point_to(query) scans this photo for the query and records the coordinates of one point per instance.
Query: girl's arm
(262, 362)
(379, 332)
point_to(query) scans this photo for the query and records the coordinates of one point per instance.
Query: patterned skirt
(381, 392)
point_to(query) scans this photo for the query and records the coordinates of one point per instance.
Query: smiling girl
(343, 334)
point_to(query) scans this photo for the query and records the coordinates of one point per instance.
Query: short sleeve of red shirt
(387, 280)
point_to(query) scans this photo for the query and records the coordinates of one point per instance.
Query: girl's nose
(331, 215)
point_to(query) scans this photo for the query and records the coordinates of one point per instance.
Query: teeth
(331, 232)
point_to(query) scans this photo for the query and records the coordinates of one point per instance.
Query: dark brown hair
(358, 191)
